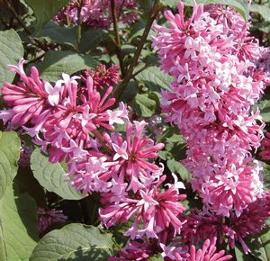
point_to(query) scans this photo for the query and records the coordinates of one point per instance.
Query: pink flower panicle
(25, 155)
(96, 13)
(47, 218)
(103, 77)
(265, 153)
(31, 99)
(207, 252)
(134, 251)
(76, 123)
(152, 210)
(204, 224)
(215, 63)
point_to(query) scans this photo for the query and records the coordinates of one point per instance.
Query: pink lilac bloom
(134, 251)
(218, 78)
(152, 210)
(204, 224)
(208, 252)
(103, 77)
(97, 13)
(129, 158)
(251, 222)
(265, 148)
(47, 218)
(31, 99)
(60, 117)
(67, 130)
(76, 122)
(134, 154)
(25, 155)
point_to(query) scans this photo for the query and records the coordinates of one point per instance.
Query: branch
(117, 38)
(21, 22)
(123, 85)
(13, 11)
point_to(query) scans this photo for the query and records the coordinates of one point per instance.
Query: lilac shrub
(147, 144)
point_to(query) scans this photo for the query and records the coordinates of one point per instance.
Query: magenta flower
(30, 99)
(265, 153)
(47, 218)
(251, 222)
(215, 64)
(135, 153)
(208, 252)
(134, 251)
(25, 155)
(103, 77)
(153, 211)
(96, 13)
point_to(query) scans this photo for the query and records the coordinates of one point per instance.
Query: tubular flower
(134, 154)
(153, 210)
(208, 252)
(134, 251)
(75, 121)
(104, 77)
(97, 13)
(251, 222)
(204, 224)
(30, 99)
(49, 218)
(265, 153)
(218, 78)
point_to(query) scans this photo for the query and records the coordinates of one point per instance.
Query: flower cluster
(47, 218)
(219, 75)
(76, 120)
(97, 13)
(201, 225)
(141, 252)
(218, 78)
(265, 153)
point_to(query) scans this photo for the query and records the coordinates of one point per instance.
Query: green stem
(79, 28)
(117, 38)
(123, 85)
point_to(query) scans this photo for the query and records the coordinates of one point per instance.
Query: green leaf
(137, 28)
(266, 173)
(130, 92)
(52, 177)
(11, 50)
(170, 3)
(156, 258)
(145, 104)
(264, 240)
(175, 145)
(92, 38)
(60, 34)
(45, 10)
(74, 242)
(241, 256)
(264, 107)
(177, 167)
(57, 62)
(18, 233)
(154, 78)
(240, 5)
(263, 10)
(260, 245)
(9, 155)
